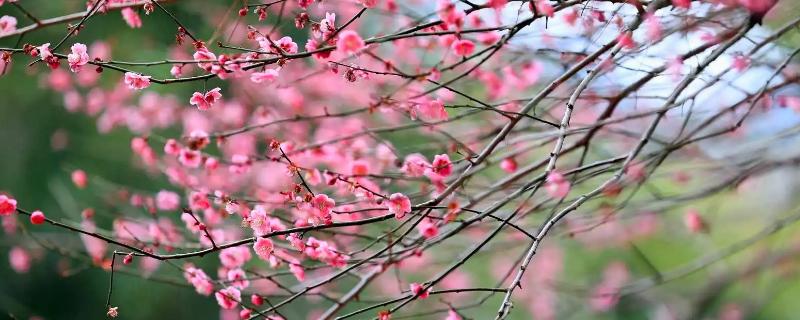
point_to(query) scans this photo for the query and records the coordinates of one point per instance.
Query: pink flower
(463, 47)
(399, 205)
(136, 81)
(204, 58)
(428, 228)
(198, 278)
(79, 178)
(204, 101)
(449, 14)
(432, 110)
(190, 158)
(323, 203)
(47, 56)
(234, 257)
(167, 200)
(327, 27)
(285, 44)
(419, 291)
(78, 58)
(441, 165)
(625, 40)
(176, 70)
(350, 42)
(19, 259)
(263, 248)
(199, 200)
(112, 312)
(259, 221)
(556, 185)
(313, 45)
(741, 62)
(171, 147)
(228, 298)
(131, 17)
(269, 75)
(7, 205)
(211, 164)
(238, 278)
(415, 165)
(8, 24)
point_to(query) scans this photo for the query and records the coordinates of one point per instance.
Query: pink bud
(37, 217)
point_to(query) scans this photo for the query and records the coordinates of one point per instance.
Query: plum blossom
(190, 158)
(78, 58)
(741, 62)
(350, 42)
(228, 298)
(399, 205)
(234, 257)
(420, 291)
(415, 165)
(449, 14)
(8, 24)
(263, 248)
(238, 278)
(167, 200)
(427, 228)
(47, 56)
(322, 207)
(136, 81)
(432, 110)
(442, 166)
(204, 101)
(463, 47)
(284, 45)
(204, 58)
(8, 205)
(198, 278)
